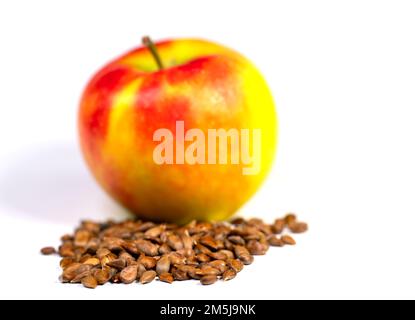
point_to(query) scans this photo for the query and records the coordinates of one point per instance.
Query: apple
(138, 110)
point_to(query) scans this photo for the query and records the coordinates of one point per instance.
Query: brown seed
(290, 218)
(164, 248)
(92, 261)
(278, 226)
(208, 270)
(48, 250)
(218, 255)
(177, 258)
(243, 254)
(117, 264)
(164, 235)
(228, 245)
(131, 247)
(221, 231)
(192, 260)
(218, 264)
(166, 277)
(111, 271)
(298, 227)
(105, 260)
(265, 229)
(199, 248)
(66, 250)
(209, 242)
(208, 279)
(288, 240)
(246, 259)
(65, 262)
(229, 274)
(219, 239)
(228, 253)
(70, 272)
(78, 278)
(235, 264)
(240, 250)
(175, 242)
(202, 257)
(275, 241)
(129, 259)
(114, 244)
(187, 241)
(73, 270)
(180, 275)
(247, 231)
(195, 273)
(93, 245)
(102, 276)
(256, 247)
(140, 270)
(81, 238)
(147, 262)
(148, 276)
(184, 267)
(147, 247)
(102, 252)
(154, 232)
(163, 265)
(79, 252)
(89, 282)
(128, 274)
(236, 240)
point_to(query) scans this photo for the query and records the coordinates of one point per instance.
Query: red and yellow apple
(201, 83)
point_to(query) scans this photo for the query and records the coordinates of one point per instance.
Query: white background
(343, 77)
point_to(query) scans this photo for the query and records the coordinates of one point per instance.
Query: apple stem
(153, 49)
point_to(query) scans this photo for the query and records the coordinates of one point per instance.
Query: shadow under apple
(51, 182)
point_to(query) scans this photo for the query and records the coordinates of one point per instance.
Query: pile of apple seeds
(135, 250)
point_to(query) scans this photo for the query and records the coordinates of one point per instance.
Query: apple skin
(204, 84)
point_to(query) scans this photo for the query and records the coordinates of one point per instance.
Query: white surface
(343, 76)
